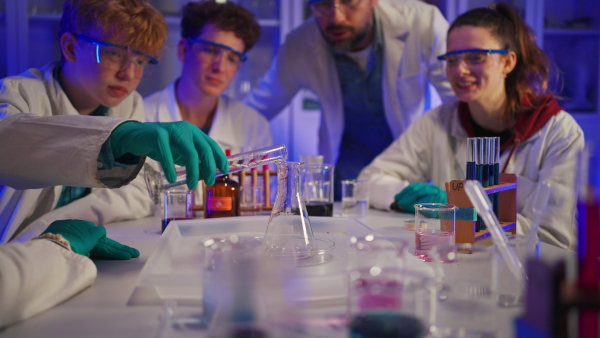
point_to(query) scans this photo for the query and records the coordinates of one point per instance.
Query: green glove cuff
(82, 235)
(417, 193)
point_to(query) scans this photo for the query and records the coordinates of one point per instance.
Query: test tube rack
(254, 175)
(507, 214)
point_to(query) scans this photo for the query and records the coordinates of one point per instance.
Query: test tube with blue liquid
(471, 158)
(496, 174)
(482, 173)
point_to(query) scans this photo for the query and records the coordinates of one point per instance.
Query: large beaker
(289, 233)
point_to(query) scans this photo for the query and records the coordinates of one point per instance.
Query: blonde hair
(133, 23)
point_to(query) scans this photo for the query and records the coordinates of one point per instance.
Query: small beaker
(385, 298)
(434, 225)
(177, 204)
(289, 233)
(355, 198)
(317, 189)
(511, 291)
(466, 298)
(252, 199)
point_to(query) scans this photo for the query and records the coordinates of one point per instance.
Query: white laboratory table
(102, 311)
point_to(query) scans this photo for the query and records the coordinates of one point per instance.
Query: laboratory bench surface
(102, 311)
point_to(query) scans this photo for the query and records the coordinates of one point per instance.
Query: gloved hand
(172, 143)
(85, 238)
(420, 192)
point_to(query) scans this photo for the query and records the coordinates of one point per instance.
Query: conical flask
(289, 233)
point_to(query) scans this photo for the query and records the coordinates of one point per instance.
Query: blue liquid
(471, 171)
(385, 324)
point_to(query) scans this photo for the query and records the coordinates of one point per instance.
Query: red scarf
(527, 123)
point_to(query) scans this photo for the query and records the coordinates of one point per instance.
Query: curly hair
(530, 77)
(133, 23)
(227, 16)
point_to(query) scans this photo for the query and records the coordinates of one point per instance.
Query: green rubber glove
(85, 238)
(172, 143)
(420, 192)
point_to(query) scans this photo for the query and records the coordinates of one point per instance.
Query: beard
(349, 43)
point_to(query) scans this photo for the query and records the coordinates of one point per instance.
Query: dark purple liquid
(316, 208)
(165, 222)
(383, 324)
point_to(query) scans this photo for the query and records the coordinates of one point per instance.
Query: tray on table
(174, 269)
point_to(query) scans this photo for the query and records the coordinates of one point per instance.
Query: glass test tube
(479, 166)
(496, 164)
(485, 177)
(471, 158)
(157, 182)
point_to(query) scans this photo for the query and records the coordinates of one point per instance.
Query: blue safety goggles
(243, 57)
(444, 57)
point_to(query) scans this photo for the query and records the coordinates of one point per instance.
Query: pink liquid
(372, 294)
(427, 239)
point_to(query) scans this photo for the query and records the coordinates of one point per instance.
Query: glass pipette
(482, 204)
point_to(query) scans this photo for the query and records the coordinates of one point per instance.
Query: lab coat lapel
(61, 105)
(326, 81)
(395, 32)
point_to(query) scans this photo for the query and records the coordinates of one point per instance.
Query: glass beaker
(157, 182)
(434, 225)
(289, 233)
(317, 189)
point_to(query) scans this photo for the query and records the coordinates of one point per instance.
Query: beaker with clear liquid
(157, 182)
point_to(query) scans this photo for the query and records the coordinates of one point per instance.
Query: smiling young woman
(500, 78)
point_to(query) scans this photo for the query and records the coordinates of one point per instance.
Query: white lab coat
(26, 213)
(235, 125)
(435, 148)
(414, 34)
(37, 275)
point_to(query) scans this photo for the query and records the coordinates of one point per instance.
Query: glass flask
(289, 233)
(157, 182)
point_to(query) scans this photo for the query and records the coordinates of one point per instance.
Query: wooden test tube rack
(253, 175)
(507, 214)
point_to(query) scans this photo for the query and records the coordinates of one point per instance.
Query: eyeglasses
(326, 7)
(211, 51)
(472, 57)
(117, 57)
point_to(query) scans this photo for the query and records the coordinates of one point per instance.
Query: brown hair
(226, 16)
(529, 78)
(133, 23)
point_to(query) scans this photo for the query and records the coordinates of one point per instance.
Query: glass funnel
(157, 182)
(289, 233)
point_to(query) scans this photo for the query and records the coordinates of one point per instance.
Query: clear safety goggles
(326, 7)
(471, 57)
(211, 51)
(117, 57)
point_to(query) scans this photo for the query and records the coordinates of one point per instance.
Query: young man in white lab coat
(370, 63)
(214, 40)
(105, 48)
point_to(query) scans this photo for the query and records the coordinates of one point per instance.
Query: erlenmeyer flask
(289, 233)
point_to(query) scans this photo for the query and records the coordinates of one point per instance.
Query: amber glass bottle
(223, 198)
